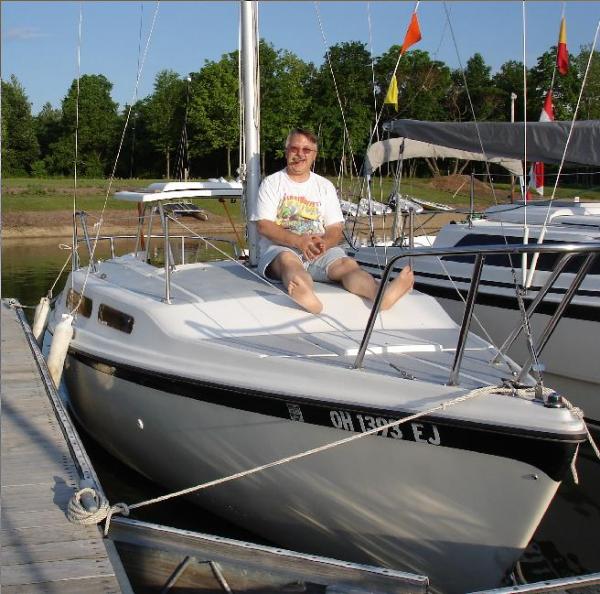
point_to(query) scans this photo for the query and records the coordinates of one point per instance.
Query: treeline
(192, 123)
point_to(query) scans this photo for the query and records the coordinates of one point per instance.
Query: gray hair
(302, 132)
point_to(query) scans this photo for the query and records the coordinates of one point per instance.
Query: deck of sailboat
(213, 326)
(228, 304)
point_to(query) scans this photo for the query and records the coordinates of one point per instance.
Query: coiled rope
(80, 515)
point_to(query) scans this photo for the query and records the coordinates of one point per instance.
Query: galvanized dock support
(41, 550)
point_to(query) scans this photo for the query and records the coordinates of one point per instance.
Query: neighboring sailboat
(196, 371)
(573, 369)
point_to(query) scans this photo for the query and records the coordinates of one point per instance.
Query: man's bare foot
(305, 297)
(401, 285)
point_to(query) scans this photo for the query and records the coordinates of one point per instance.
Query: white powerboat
(195, 371)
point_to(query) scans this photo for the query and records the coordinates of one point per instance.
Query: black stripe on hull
(551, 454)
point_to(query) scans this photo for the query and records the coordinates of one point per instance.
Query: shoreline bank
(58, 224)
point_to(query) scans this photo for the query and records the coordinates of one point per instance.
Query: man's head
(300, 153)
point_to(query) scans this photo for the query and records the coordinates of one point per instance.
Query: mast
(251, 105)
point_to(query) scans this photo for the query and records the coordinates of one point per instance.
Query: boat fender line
(40, 319)
(60, 344)
(528, 393)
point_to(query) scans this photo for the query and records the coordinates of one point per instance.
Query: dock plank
(41, 550)
(94, 585)
(49, 534)
(24, 554)
(54, 571)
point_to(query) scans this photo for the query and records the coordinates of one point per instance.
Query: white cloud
(24, 33)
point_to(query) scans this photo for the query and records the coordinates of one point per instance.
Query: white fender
(40, 319)
(60, 344)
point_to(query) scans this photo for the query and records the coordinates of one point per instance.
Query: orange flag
(562, 55)
(413, 33)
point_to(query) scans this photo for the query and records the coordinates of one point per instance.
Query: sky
(40, 39)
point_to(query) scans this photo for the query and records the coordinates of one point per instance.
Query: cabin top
(213, 188)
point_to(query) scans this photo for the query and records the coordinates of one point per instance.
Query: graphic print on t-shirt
(299, 215)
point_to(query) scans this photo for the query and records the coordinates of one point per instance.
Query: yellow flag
(391, 96)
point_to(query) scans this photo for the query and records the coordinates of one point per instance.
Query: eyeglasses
(301, 149)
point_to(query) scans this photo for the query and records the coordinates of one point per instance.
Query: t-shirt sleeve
(267, 201)
(332, 211)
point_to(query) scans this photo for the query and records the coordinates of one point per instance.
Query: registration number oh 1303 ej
(358, 422)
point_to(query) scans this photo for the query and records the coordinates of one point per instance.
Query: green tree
(20, 147)
(589, 108)
(423, 84)
(48, 124)
(94, 114)
(351, 65)
(473, 96)
(565, 90)
(163, 112)
(214, 109)
(284, 81)
(508, 80)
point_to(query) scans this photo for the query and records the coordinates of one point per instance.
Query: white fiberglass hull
(421, 507)
(231, 375)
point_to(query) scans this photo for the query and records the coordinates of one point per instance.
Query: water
(566, 543)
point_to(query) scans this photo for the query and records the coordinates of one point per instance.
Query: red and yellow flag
(562, 55)
(413, 33)
(536, 173)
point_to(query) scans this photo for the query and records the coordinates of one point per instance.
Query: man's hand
(311, 246)
(319, 243)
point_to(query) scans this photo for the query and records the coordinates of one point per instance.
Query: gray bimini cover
(546, 141)
(393, 149)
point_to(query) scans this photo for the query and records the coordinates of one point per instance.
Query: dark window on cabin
(546, 262)
(84, 306)
(113, 318)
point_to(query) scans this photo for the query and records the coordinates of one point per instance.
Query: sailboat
(543, 222)
(191, 372)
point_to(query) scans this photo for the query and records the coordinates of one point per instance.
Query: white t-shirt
(300, 207)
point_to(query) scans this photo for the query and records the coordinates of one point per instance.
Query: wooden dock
(41, 550)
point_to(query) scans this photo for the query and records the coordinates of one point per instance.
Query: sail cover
(546, 141)
(395, 148)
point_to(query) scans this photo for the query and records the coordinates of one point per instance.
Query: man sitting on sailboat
(300, 224)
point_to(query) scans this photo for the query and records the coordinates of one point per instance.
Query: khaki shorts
(316, 268)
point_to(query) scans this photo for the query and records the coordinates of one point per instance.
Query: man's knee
(285, 262)
(342, 267)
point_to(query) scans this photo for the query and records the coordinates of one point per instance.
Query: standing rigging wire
(542, 235)
(131, 158)
(120, 148)
(335, 85)
(74, 254)
(372, 64)
(182, 168)
(378, 118)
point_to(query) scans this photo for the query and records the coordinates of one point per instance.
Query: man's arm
(277, 234)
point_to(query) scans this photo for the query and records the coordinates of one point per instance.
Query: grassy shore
(48, 194)
(43, 207)
(21, 195)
